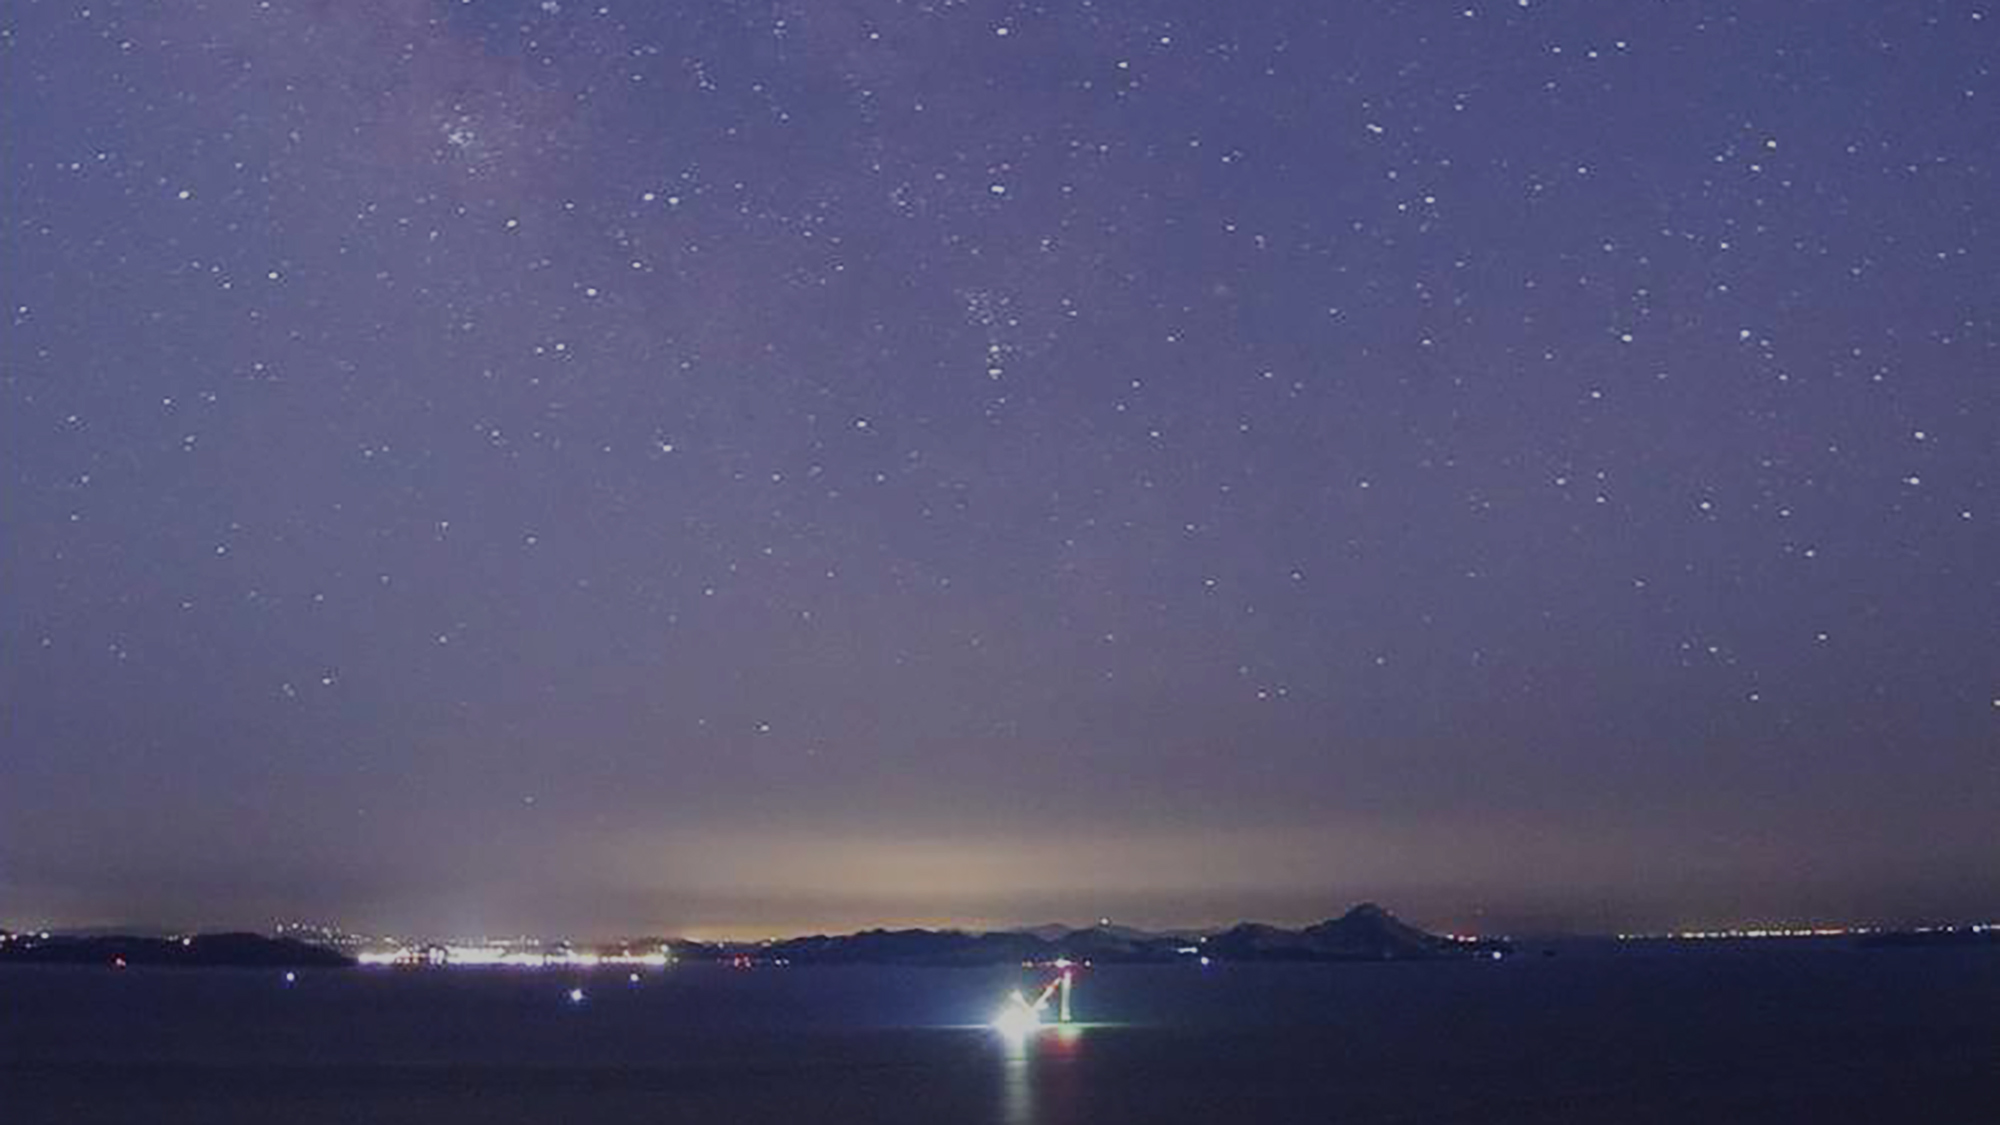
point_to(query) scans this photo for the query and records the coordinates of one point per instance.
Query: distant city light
(491, 955)
(1758, 933)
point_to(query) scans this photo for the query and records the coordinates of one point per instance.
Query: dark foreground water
(1720, 1036)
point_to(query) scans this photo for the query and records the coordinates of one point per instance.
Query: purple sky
(742, 467)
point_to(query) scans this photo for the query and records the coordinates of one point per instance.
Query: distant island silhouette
(1365, 933)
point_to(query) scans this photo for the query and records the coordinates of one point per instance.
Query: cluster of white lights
(499, 956)
(1757, 932)
(1798, 932)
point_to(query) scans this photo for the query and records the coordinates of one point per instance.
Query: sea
(1765, 1032)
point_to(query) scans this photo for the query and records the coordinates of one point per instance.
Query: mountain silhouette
(1365, 933)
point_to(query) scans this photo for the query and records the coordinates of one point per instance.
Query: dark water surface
(1719, 1036)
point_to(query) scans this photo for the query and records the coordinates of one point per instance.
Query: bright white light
(576, 995)
(291, 977)
(1017, 1020)
(475, 954)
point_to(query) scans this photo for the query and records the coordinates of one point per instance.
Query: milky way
(731, 466)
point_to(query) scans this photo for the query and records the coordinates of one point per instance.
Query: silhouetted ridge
(1365, 933)
(200, 950)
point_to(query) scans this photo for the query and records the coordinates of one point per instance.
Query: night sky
(737, 468)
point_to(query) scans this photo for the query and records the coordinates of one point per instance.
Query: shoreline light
(505, 957)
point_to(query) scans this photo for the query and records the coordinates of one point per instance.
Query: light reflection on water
(1024, 1058)
(1017, 1088)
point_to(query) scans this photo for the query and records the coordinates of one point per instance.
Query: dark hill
(906, 947)
(1366, 933)
(201, 950)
